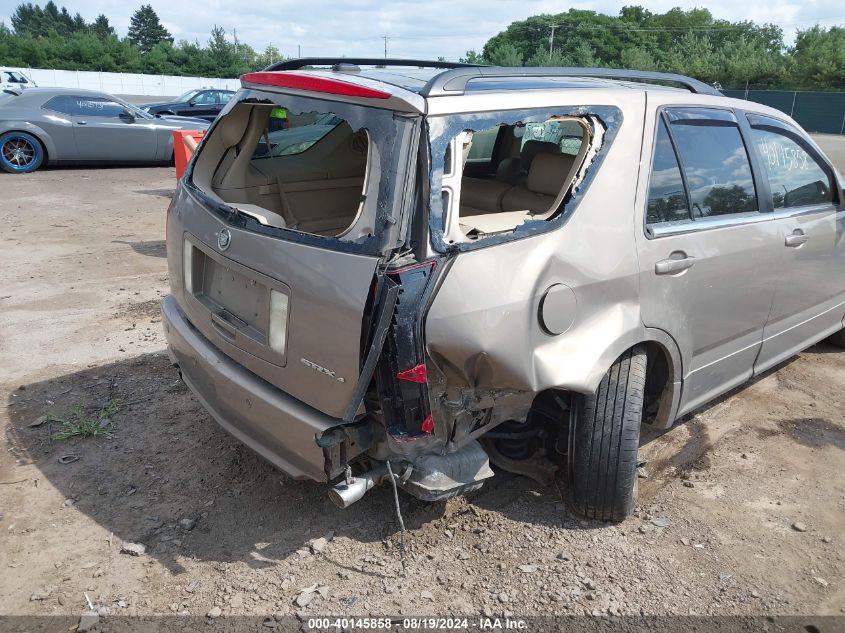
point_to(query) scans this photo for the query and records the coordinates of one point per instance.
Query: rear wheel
(604, 437)
(20, 153)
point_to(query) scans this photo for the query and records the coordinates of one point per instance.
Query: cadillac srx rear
(296, 302)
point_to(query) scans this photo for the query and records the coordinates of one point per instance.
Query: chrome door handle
(671, 266)
(82, 122)
(797, 238)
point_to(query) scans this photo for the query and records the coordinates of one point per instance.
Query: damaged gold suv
(402, 270)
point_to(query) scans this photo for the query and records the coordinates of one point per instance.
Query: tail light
(402, 377)
(415, 374)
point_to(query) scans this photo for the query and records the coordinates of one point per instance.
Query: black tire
(604, 437)
(20, 153)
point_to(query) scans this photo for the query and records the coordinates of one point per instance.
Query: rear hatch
(280, 226)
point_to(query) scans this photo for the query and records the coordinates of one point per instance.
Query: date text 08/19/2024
(418, 624)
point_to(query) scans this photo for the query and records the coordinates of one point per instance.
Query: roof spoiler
(311, 84)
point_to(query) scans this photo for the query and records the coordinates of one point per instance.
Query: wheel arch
(664, 378)
(664, 375)
(40, 135)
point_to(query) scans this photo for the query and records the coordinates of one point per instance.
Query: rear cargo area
(305, 165)
(277, 233)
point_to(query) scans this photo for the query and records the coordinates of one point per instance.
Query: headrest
(549, 172)
(532, 148)
(511, 172)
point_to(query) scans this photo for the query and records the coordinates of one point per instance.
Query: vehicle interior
(513, 173)
(306, 171)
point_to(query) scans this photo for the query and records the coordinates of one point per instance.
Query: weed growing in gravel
(78, 423)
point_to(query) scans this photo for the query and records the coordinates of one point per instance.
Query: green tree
(544, 58)
(222, 58)
(472, 57)
(638, 58)
(270, 55)
(504, 55)
(146, 30)
(818, 58)
(101, 27)
(690, 42)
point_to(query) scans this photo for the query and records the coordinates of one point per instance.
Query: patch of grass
(78, 423)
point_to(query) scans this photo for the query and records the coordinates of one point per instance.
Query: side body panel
(483, 323)
(810, 297)
(809, 302)
(716, 309)
(112, 138)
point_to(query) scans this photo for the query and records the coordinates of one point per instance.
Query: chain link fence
(815, 111)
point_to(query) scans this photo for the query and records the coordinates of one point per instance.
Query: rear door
(808, 303)
(293, 305)
(289, 312)
(709, 254)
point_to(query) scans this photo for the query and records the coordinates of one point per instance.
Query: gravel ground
(741, 512)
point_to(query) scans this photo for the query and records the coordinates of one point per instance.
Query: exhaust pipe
(348, 492)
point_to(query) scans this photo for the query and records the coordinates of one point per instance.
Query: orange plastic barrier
(182, 152)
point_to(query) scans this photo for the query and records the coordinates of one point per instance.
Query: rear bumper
(273, 424)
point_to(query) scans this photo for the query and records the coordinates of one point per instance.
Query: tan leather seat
(532, 148)
(547, 176)
(485, 196)
(482, 194)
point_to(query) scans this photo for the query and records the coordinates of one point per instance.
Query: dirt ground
(742, 510)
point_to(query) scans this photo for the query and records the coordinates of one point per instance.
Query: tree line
(691, 42)
(50, 37)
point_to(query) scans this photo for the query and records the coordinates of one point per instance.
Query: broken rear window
(310, 167)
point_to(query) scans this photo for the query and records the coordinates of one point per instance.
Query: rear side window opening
(308, 169)
(496, 177)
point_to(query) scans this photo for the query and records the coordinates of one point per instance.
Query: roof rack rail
(302, 62)
(453, 82)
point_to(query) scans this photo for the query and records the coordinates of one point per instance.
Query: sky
(418, 29)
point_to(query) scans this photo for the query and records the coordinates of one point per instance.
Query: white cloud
(415, 29)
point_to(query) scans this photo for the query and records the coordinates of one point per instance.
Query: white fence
(125, 83)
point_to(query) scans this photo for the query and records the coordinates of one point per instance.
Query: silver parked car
(477, 264)
(61, 125)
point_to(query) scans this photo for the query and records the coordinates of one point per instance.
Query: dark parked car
(64, 125)
(205, 104)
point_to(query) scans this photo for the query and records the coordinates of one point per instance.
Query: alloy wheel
(18, 152)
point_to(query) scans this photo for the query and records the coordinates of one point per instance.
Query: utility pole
(552, 38)
(385, 38)
(299, 50)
